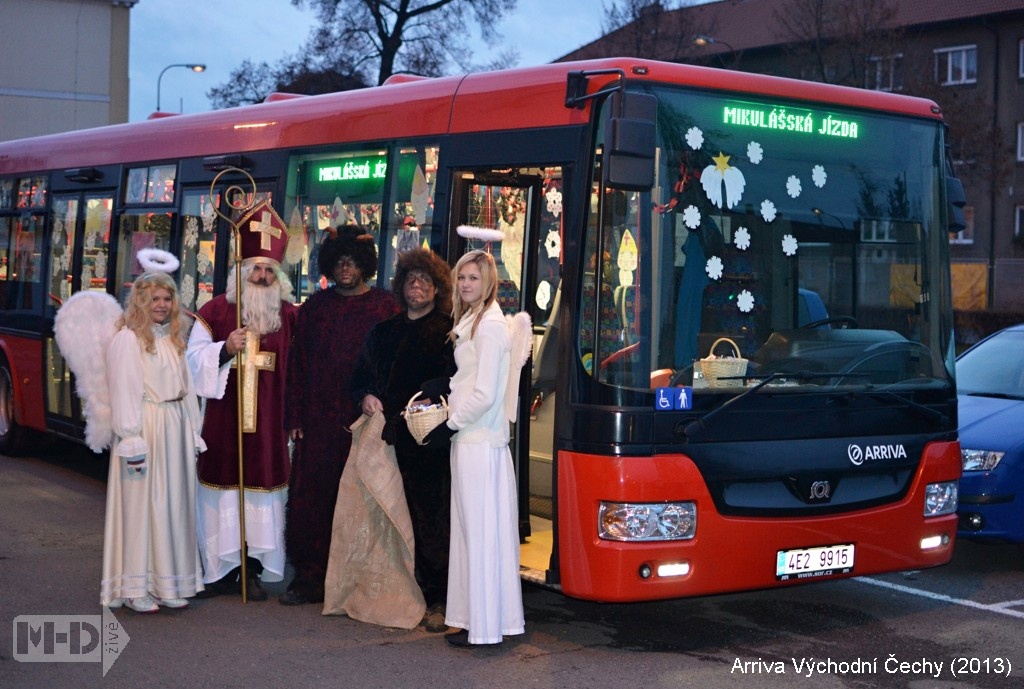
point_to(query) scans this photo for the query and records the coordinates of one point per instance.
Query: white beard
(261, 307)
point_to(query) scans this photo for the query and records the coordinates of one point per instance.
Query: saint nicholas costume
(264, 438)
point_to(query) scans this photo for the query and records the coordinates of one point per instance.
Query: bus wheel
(11, 434)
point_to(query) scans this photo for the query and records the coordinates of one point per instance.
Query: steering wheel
(680, 377)
(845, 322)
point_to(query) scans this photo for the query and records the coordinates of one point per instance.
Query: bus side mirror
(630, 142)
(955, 202)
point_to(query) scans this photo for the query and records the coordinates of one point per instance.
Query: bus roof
(522, 98)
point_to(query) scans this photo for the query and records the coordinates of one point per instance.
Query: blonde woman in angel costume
(150, 556)
(140, 402)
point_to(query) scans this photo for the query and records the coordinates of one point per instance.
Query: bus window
(198, 247)
(25, 279)
(411, 224)
(6, 199)
(745, 224)
(63, 235)
(5, 241)
(96, 243)
(139, 230)
(154, 184)
(341, 187)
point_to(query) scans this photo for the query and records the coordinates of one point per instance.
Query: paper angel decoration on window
(721, 174)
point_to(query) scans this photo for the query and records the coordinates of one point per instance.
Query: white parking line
(1001, 608)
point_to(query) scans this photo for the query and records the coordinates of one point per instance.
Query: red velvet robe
(266, 450)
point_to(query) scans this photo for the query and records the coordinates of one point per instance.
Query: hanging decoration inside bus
(781, 119)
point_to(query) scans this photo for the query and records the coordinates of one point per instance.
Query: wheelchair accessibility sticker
(669, 399)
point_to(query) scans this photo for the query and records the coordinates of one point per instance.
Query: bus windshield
(798, 244)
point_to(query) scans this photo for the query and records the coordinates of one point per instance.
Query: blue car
(990, 387)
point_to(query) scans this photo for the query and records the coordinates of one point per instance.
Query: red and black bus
(743, 373)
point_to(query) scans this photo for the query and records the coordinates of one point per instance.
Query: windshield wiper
(910, 405)
(705, 420)
(996, 395)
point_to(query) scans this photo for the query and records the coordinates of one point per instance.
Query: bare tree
(252, 83)
(405, 36)
(650, 29)
(840, 42)
(352, 39)
(249, 83)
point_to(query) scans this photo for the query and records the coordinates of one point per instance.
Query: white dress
(484, 591)
(149, 541)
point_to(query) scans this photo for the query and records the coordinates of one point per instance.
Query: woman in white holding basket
(484, 593)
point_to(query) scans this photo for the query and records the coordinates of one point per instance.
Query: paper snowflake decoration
(203, 264)
(719, 175)
(554, 198)
(691, 216)
(714, 268)
(793, 187)
(742, 239)
(819, 176)
(191, 232)
(553, 244)
(789, 245)
(745, 301)
(767, 210)
(188, 290)
(695, 137)
(754, 152)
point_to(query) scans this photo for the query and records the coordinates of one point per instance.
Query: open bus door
(528, 262)
(80, 235)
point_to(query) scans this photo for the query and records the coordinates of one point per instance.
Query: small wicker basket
(714, 370)
(423, 418)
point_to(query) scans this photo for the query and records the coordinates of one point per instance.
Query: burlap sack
(370, 574)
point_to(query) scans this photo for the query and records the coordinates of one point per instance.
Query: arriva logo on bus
(869, 453)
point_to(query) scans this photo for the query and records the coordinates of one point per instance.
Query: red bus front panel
(729, 554)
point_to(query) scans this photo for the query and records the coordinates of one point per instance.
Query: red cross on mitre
(263, 233)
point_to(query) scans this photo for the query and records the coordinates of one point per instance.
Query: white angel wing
(521, 328)
(84, 328)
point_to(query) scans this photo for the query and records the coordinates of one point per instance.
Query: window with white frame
(966, 235)
(957, 65)
(885, 73)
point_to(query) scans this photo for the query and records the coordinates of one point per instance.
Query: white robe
(149, 540)
(218, 523)
(484, 591)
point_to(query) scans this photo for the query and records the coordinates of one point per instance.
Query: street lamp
(193, 67)
(705, 40)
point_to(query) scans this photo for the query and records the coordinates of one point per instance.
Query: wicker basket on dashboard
(423, 418)
(716, 368)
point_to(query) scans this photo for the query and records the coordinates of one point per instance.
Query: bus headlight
(941, 498)
(626, 521)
